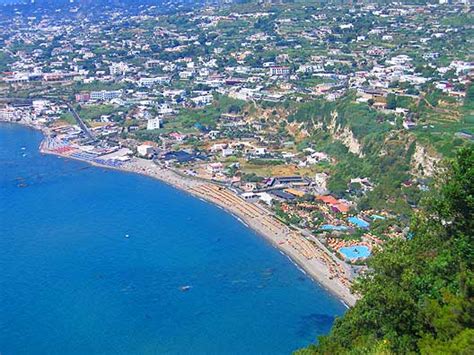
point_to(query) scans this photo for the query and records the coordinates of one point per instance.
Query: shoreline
(307, 256)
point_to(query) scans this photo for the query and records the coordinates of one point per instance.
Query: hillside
(418, 295)
(373, 143)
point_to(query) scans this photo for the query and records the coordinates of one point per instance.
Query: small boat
(185, 288)
(127, 236)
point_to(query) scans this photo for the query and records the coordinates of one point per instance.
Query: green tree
(418, 296)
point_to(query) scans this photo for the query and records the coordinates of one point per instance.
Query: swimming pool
(359, 222)
(330, 227)
(355, 252)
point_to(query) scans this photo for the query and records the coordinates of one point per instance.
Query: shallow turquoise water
(71, 283)
(355, 252)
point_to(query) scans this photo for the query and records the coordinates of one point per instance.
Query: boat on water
(185, 288)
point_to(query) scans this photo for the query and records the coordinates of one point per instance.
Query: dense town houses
(270, 101)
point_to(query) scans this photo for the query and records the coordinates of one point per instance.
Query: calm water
(355, 252)
(70, 282)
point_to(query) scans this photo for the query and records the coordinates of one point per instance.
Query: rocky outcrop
(423, 162)
(344, 135)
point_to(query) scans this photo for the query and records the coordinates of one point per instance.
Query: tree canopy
(418, 295)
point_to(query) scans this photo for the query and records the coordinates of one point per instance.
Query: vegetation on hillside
(207, 116)
(418, 296)
(386, 150)
(5, 60)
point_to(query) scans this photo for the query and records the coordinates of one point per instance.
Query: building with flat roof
(153, 123)
(278, 70)
(105, 95)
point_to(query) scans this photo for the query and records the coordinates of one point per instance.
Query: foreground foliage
(419, 295)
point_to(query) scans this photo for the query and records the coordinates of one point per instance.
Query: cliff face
(344, 135)
(385, 150)
(423, 162)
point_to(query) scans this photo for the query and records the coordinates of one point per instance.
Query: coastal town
(321, 132)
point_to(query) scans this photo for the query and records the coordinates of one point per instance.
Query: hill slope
(419, 296)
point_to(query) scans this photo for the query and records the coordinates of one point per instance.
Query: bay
(72, 282)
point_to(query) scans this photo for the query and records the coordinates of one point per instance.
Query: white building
(40, 105)
(214, 168)
(118, 69)
(105, 95)
(17, 78)
(152, 81)
(152, 64)
(145, 150)
(260, 151)
(186, 74)
(8, 114)
(347, 26)
(409, 124)
(153, 123)
(173, 93)
(218, 147)
(165, 109)
(227, 152)
(203, 100)
(277, 70)
(249, 196)
(265, 197)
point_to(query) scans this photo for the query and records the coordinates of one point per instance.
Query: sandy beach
(304, 250)
(313, 260)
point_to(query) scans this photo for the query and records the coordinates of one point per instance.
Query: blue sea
(72, 283)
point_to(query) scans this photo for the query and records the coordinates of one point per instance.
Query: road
(80, 122)
(76, 116)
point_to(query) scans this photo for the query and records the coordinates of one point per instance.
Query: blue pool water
(355, 252)
(71, 283)
(330, 227)
(359, 222)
